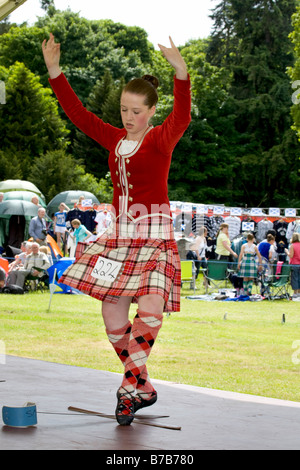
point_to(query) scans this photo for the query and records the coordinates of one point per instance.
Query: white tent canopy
(8, 6)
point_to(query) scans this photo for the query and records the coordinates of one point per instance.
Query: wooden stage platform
(209, 419)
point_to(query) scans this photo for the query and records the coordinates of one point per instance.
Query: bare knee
(115, 315)
(151, 303)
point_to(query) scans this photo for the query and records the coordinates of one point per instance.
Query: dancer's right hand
(51, 52)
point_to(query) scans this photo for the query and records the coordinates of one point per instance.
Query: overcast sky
(182, 20)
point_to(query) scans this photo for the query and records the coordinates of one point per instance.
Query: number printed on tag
(106, 269)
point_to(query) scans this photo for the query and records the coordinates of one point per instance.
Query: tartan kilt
(146, 266)
(248, 266)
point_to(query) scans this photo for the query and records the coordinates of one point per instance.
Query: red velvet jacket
(140, 179)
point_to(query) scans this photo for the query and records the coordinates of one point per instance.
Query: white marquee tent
(8, 6)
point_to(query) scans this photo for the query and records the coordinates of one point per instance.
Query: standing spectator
(103, 221)
(197, 250)
(294, 254)
(60, 227)
(223, 248)
(81, 233)
(37, 227)
(266, 249)
(247, 264)
(35, 200)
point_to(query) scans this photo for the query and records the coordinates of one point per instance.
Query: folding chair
(216, 273)
(278, 284)
(35, 283)
(188, 273)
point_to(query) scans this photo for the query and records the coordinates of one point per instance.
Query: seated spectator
(35, 264)
(2, 278)
(46, 250)
(20, 259)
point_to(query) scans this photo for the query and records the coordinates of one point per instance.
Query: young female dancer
(247, 265)
(136, 260)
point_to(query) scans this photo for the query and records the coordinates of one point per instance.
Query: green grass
(249, 352)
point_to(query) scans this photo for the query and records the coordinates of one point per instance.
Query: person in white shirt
(198, 249)
(103, 221)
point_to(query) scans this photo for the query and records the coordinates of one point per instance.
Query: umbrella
(23, 196)
(15, 207)
(69, 198)
(19, 185)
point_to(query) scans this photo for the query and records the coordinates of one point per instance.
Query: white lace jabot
(127, 146)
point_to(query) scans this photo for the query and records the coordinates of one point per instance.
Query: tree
(23, 44)
(294, 72)
(104, 101)
(203, 165)
(46, 4)
(56, 171)
(29, 120)
(10, 167)
(90, 47)
(258, 53)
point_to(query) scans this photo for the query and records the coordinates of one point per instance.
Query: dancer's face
(135, 114)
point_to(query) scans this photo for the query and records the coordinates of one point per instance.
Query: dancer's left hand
(175, 59)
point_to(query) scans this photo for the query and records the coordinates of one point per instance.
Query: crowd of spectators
(254, 259)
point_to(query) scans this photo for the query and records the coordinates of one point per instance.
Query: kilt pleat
(147, 266)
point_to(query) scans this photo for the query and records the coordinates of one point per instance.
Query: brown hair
(146, 86)
(224, 225)
(76, 222)
(270, 238)
(250, 236)
(295, 238)
(44, 249)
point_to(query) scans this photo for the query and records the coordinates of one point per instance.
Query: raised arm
(51, 52)
(169, 133)
(173, 56)
(85, 120)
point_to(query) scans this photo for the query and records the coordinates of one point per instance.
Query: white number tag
(106, 269)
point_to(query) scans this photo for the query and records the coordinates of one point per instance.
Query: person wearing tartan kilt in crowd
(136, 259)
(247, 267)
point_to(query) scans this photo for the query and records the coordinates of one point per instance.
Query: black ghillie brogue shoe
(125, 408)
(140, 402)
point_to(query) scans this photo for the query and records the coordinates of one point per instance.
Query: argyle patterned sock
(119, 339)
(144, 331)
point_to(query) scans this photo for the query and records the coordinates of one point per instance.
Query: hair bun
(151, 79)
